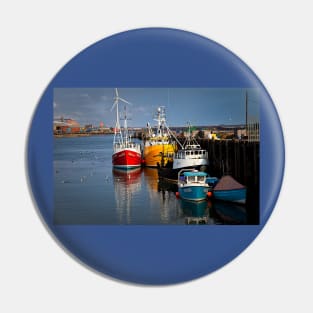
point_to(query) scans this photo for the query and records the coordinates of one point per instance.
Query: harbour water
(88, 191)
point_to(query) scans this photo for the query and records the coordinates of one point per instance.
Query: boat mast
(149, 130)
(159, 115)
(117, 130)
(246, 102)
(188, 139)
(126, 138)
(161, 119)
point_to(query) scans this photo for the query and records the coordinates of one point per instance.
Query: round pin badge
(155, 156)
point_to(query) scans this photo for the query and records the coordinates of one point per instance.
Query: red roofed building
(66, 126)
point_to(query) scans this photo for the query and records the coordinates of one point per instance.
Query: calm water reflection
(88, 191)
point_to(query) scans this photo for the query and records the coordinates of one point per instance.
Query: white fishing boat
(190, 155)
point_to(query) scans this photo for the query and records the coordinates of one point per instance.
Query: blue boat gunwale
(231, 195)
(194, 173)
(227, 190)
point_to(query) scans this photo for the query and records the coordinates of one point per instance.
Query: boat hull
(235, 195)
(153, 154)
(189, 162)
(126, 159)
(193, 193)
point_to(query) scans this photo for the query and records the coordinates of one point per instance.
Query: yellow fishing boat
(159, 147)
(159, 153)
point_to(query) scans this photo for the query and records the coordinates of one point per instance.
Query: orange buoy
(209, 194)
(177, 194)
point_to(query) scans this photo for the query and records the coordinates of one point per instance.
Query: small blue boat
(228, 189)
(192, 185)
(235, 195)
(211, 181)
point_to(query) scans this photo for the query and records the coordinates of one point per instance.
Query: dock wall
(240, 159)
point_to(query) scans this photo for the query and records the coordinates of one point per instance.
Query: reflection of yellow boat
(163, 199)
(159, 148)
(151, 179)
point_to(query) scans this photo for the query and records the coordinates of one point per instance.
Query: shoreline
(80, 135)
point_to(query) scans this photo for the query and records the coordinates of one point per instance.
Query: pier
(240, 159)
(237, 158)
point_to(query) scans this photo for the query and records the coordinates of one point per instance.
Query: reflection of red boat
(128, 177)
(127, 184)
(126, 153)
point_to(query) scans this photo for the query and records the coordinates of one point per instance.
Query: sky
(199, 106)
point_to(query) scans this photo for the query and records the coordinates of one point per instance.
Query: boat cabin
(191, 154)
(153, 141)
(192, 146)
(193, 177)
(126, 145)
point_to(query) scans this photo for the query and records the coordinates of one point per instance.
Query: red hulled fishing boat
(126, 152)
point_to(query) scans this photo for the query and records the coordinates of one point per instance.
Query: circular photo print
(155, 156)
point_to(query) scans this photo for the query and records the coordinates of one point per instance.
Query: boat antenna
(190, 140)
(126, 134)
(173, 135)
(149, 129)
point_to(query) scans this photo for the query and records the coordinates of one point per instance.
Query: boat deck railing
(191, 154)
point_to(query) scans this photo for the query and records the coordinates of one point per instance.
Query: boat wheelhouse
(192, 185)
(191, 155)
